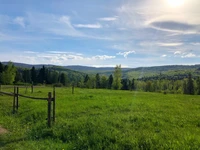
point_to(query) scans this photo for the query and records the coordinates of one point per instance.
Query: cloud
(159, 15)
(125, 54)
(20, 21)
(30, 52)
(164, 55)
(64, 52)
(177, 52)
(108, 18)
(162, 44)
(92, 26)
(169, 44)
(189, 55)
(102, 57)
(51, 24)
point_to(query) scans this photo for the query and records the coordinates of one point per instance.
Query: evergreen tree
(132, 86)
(190, 85)
(33, 75)
(63, 78)
(98, 84)
(86, 79)
(198, 85)
(117, 78)
(26, 76)
(1, 67)
(124, 83)
(110, 81)
(41, 75)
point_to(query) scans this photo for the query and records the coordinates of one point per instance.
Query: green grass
(102, 119)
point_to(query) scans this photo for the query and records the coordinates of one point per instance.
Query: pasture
(101, 119)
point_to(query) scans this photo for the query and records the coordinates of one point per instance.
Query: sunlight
(175, 3)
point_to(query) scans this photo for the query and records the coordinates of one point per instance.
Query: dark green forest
(171, 81)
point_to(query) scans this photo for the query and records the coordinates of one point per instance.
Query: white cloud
(125, 54)
(189, 55)
(30, 52)
(64, 52)
(92, 26)
(177, 52)
(20, 21)
(159, 15)
(164, 55)
(102, 57)
(52, 24)
(108, 18)
(169, 44)
(195, 43)
(162, 44)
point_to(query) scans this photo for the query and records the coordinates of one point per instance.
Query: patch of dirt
(3, 130)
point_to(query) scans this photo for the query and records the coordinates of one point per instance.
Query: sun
(175, 3)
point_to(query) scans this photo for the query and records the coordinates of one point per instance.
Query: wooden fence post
(49, 110)
(73, 88)
(17, 96)
(14, 100)
(54, 103)
(32, 88)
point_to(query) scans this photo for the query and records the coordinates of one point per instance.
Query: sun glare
(175, 3)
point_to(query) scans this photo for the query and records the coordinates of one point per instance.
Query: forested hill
(140, 72)
(94, 70)
(170, 70)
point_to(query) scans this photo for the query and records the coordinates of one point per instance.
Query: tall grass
(102, 119)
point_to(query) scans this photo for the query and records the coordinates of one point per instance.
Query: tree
(132, 86)
(86, 79)
(1, 67)
(198, 85)
(124, 83)
(63, 78)
(8, 74)
(104, 82)
(110, 81)
(98, 82)
(190, 85)
(41, 75)
(33, 75)
(26, 76)
(117, 78)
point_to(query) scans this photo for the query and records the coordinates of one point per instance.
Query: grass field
(102, 119)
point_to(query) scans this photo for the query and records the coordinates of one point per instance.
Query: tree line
(9, 74)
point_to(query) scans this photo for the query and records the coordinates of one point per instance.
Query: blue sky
(100, 33)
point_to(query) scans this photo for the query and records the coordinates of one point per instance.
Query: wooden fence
(51, 99)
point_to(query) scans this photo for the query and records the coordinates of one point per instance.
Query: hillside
(140, 72)
(171, 70)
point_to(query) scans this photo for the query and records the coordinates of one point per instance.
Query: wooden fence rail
(49, 99)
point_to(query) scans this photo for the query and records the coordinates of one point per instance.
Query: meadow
(102, 119)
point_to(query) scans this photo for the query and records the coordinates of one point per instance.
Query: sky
(100, 33)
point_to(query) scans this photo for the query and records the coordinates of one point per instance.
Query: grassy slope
(103, 119)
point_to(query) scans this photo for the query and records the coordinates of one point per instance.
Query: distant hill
(140, 72)
(93, 70)
(29, 66)
(169, 70)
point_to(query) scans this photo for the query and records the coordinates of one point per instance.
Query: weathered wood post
(54, 103)
(72, 88)
(14, 95)
(49, 110)
(26, 89)
(32, 88)
(17, 96)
